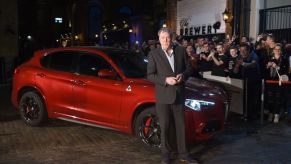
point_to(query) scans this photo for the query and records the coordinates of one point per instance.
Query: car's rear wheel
(147, 128)
(32, 109)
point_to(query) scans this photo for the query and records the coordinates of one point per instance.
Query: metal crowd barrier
(273, 82)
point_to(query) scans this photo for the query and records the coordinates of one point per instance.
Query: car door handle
(40, 74)
(78, 82)
(73, 81)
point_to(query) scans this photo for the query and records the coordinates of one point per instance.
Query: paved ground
(63, 142)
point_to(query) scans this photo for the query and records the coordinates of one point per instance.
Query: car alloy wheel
(148, 128)
(32, 109)
(150, 131)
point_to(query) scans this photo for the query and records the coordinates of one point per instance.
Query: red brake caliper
(27, 110)
(147, 124)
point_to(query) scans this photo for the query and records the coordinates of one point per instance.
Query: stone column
(256, 5)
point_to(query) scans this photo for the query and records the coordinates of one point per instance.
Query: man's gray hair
(167, 30)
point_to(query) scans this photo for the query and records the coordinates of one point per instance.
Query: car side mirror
(106, 73)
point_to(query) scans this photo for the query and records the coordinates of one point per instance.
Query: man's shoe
(189, 160)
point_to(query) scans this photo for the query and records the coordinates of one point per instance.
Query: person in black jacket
(233, 69)
(220, 62)
(277, 65)
(168, 68)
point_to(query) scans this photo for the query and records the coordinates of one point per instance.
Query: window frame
(96, 55)
(75, 55)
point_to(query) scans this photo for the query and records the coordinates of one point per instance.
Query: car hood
(198, 88)
(201, 88)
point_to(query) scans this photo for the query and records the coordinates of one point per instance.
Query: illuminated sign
(190, 30)
(58, 20)
(196, 17)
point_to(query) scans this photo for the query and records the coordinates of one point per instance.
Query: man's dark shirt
(251, 72)
(232, 62)
(204, 64)
(219, 70)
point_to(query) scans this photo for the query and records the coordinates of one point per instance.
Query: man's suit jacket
(159, 68)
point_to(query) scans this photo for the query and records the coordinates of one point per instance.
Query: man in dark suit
(168, 68)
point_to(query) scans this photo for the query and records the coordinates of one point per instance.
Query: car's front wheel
(147, 128)
(32, 109)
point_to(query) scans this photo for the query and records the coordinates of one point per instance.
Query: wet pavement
(64, 142)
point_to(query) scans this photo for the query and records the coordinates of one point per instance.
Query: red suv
(106, 87)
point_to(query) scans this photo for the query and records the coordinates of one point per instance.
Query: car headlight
(197, 105)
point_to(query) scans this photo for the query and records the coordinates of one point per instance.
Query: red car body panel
(104, 102)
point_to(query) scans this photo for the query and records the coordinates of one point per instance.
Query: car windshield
(133, 65)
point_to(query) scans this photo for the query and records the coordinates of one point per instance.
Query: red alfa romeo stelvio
(107, 88)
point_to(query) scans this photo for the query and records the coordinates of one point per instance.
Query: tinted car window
(61, 61)
(91, 64)
(45, 61)
(133, 65)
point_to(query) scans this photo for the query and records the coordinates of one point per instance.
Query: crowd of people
(233, 58)
(239, 58)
